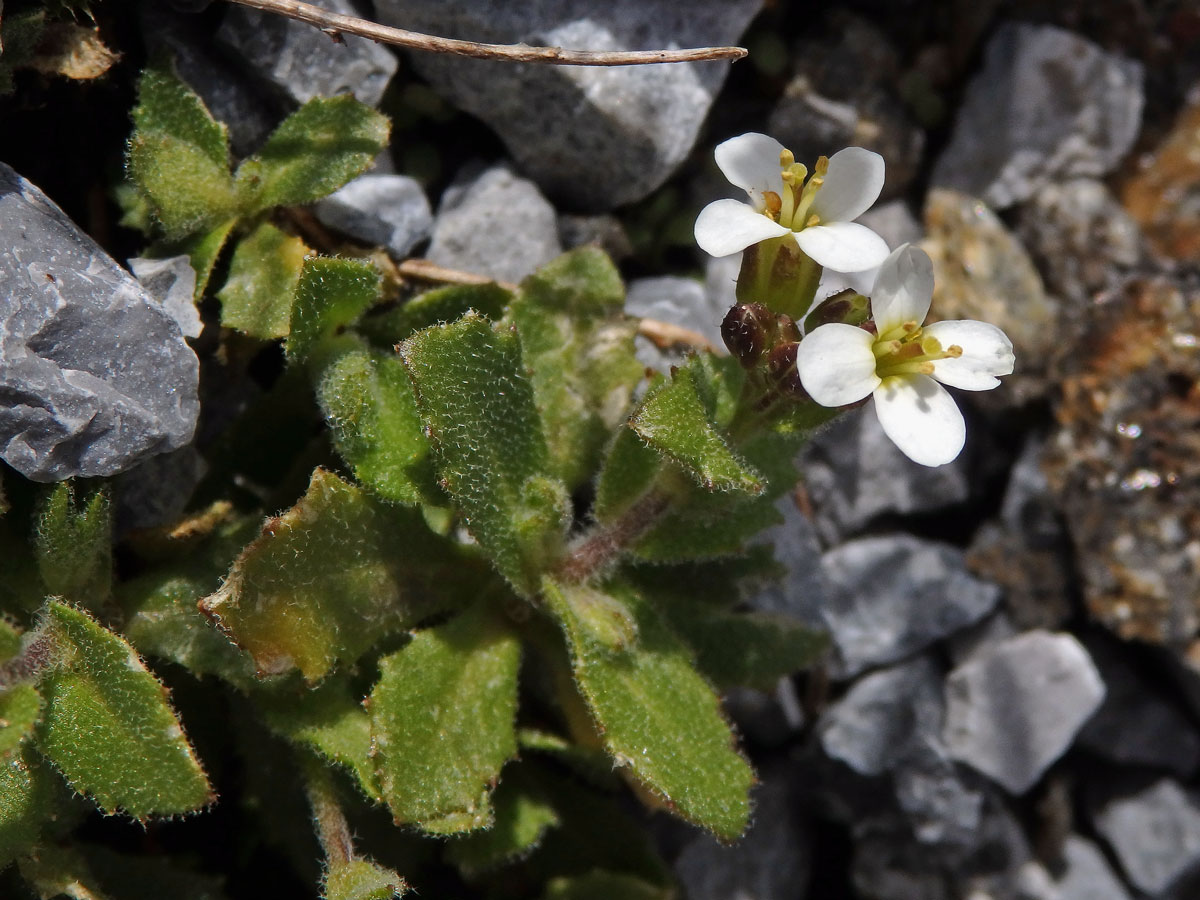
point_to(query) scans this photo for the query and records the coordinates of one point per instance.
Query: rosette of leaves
(501, 586)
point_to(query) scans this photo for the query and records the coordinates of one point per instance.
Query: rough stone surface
(603, 230)
(94, 374)
(1124, 462)
(1014, 708)
(156, 491)
(891, 596)
(1048, 104)
(300, 62)
(766, 719)
(944, 808)
(771, 862)
(389, 211)
(495, 224)
(677, 301)
(1155, 834)
(854, 473)
(593, 137)
(1137, 725)
(981, 271)
(720, 281)
(873, 726)
(801, 592)
(172, 282)
(248, 115)
(1086, 874)
(843, 94)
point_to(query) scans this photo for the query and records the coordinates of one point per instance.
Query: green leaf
(203, 249)
(24, 804)
(435, 307)
(10, 640)
(368, 401)
(442, 720)
(107, 725)
(658, 717)
(328, 719)
(331, 294)
(629, 471)
(604, 886)
(578, 344)
(478, 408)
(179, 156)
(316, 150)
(673, 419)
(263, 275)
(19, 709)
(55, 872)
(329, 577)
(74, 545)
(522, 816)
(361, 879)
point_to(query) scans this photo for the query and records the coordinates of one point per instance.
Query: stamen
(926, 368)
(913, 329)
(786, 158)
(773, 204)
(954, 351)
(822, 167)
(812, 220)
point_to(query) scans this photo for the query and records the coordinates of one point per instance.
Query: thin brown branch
(335, 24)
(665, 335)
(424, 270)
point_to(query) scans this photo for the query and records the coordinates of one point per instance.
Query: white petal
(902, 289)
(836, 364)
(843, 246)
(727, 226)
(987, 352)
(921, 418)
(852, 184)
(751, 161)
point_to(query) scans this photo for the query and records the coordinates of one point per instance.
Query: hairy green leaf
(629, 471)
(658, 717)
(263, 274)
(442, 720)
(24, 803)
(19, 709)
(435, 307)
(74, 545)
(326, 579)
(316, 150)
(203, 249)
(179, 156)
(674, 421)
(107, 725)
(368, 401)
(478, 408)
(361, 879)
(522, 816)
(331, 294)
(578, 344)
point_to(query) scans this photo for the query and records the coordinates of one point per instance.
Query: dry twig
(335, 24)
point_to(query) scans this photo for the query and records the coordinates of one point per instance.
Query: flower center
(791, 208)
(907, 350)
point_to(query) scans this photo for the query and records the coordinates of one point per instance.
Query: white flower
(903, 362)
(819, 212)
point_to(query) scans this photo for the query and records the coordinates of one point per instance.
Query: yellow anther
(799, 170)
(912, 329)
(786, 158)
(822, 166)
(812, 220)
(926, 368)
(773, 203)
(954, 351)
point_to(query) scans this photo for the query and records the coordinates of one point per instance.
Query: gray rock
(876, 723)
(772, 861)
(943, 808)
(1155, 834)
(156, 491)
(677, 301)
(1014, 708)
(172, 282)
(94, 374)
(221, 85)
(974, 638)
(496, 224)
(720, 281)
(594, 137)
(891, 596)
(1047, 105)
(894, 222)
(1086, 874)
(801, 593)
(854, 473)
(300, 62)
(603, 230)
(1136, 725)
(389, 211)
(843, 93)
(766, 719)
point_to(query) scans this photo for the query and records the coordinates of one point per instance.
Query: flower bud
(781, 367)
(748, 330)
(847, 307)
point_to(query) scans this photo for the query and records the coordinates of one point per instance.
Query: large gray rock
(172, 282)
(891, 596)
(594, 137)
(94, 374)
(496, 224)
(389, 211)
(1086, 874)
(1047, 105)
(854, 473)
(677, 301)
(1014, 708)
(771, 862)
(1155, 834)
(299, 62)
